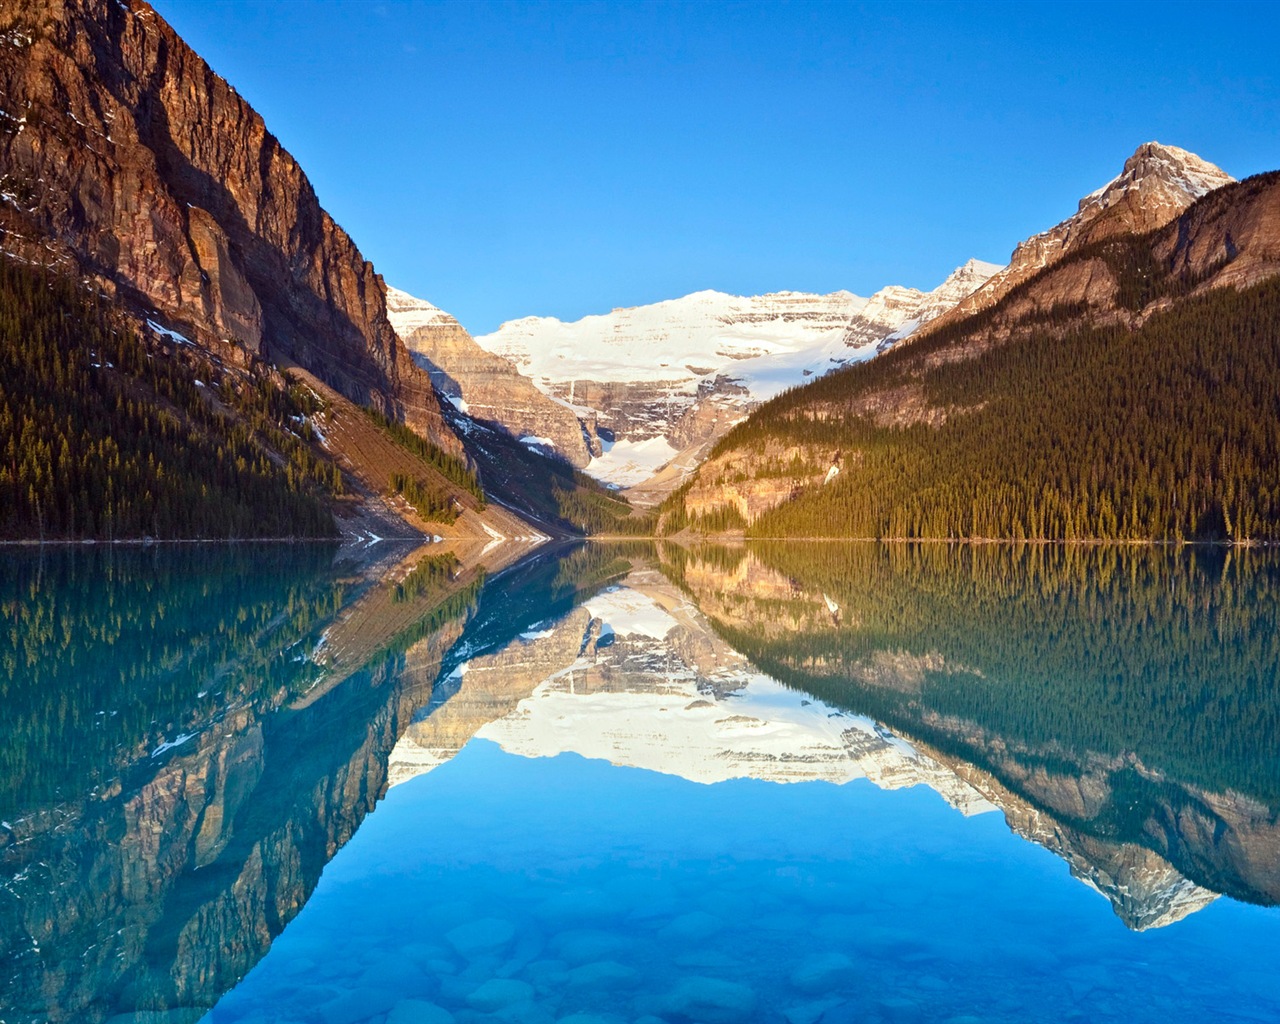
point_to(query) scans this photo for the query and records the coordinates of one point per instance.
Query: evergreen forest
(106, 434)
(1170, 432)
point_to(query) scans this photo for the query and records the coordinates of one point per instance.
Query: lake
(802, 783)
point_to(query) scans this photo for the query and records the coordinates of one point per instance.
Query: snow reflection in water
(612, 845)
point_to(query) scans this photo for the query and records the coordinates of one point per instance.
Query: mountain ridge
(1060, 332)
(1156, 184)
(659, 383)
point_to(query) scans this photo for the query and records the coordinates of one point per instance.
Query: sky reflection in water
(835, 886)
(619, 891)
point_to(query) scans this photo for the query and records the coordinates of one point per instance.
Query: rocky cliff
(124, 158)
(485, 386)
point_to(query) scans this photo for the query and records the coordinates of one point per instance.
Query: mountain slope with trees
(1129, 392)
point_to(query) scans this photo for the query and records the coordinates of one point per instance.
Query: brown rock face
(124, 156)
(486, 386)
(1157, 184)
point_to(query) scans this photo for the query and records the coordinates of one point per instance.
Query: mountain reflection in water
(199, 732)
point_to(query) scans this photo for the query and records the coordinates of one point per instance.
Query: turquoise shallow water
(505, 888)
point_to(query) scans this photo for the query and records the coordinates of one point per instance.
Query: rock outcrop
(485, 386)
(124, 158)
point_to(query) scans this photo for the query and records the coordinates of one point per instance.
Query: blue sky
(507, 160)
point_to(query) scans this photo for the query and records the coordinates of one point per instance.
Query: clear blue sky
(505, 160)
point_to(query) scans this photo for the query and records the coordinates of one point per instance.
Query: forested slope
(109, 433)
(1130, 392)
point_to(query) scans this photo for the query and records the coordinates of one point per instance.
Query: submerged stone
(500, 993)
(419, 1011)
(711, 1001)
(476, 938)
(693, 927)
(586, 946)
(822, 973)
(356, 1005)
(603, 974)
(707, 959)
(810, 1012)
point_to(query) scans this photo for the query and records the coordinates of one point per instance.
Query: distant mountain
(1125, 390)
(487, 387)
(658, 383)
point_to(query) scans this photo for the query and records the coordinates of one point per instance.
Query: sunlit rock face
(128, 161)
(1156, 184)
(486, 386)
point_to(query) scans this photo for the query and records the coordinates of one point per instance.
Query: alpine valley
(598, 698)
(218, 359)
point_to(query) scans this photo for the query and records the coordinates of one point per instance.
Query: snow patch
(628, 462)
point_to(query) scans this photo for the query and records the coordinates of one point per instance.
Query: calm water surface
(794, 783)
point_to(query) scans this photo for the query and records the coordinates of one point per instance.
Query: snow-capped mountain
(670, 378)
(894, 313)
(1156, 184)
(483, 385)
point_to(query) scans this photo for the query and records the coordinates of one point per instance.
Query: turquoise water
(506, 888)
(795, 784)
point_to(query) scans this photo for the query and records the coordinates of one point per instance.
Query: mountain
(1124, 391)
(219, 292)
(485, 386)
(895, 313)
(127, 160)
(1156, 184)
(658, 383)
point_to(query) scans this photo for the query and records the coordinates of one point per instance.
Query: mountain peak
(1166, 175)
(1155, 185)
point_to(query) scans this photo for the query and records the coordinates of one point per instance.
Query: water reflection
(1129, 697)
(198, 733)
(651, 803)
(192, 733)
